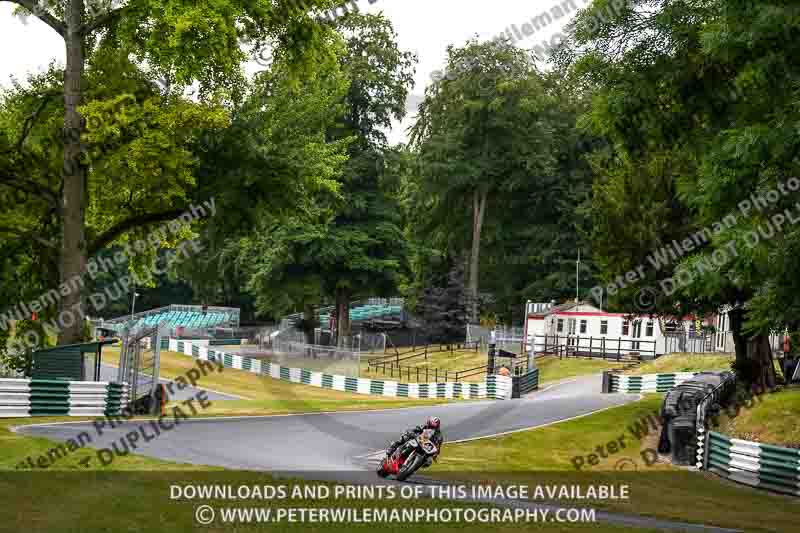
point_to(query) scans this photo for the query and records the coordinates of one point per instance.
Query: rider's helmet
(433, 422)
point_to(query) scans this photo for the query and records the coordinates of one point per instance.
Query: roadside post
(492, 352)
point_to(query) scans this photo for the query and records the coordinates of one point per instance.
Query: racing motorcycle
(410, 457)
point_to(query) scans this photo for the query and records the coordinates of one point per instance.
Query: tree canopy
(659, 145)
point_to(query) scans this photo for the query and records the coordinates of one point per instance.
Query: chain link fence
(508, 338)
(328, 359)
(362, 341)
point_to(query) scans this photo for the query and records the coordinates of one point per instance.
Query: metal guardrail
(302, 347)
(359, 342)
(710, 403)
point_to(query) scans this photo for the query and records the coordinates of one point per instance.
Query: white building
(589, 330)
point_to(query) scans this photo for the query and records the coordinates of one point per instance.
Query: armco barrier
(41, 397)
(644, 383)
(759, 465)
(494, 387)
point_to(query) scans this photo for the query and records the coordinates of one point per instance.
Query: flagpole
(577, 279)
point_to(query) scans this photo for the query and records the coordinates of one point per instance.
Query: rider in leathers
(437, 438)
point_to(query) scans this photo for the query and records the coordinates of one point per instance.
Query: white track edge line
(240, 417)
(641, 396)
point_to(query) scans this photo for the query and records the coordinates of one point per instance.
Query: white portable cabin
(592, 330)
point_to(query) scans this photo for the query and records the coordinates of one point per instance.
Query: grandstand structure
(374, 311)
(365, 313)
(207, 322)
(196, 319)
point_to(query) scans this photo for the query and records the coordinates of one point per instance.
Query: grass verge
(550, 455)
(265, 395)
(553, 369)
(684, 362)
(451, 362)
(143, 502)
(136, 496)
(16, 448)
(773, 419)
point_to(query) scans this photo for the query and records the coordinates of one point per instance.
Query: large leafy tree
(481, 134)
(184, 44)
(139, 143)
(351, 245)
(427, 240)
(364, 246)
(281, 131)
(323, 139)
(533, 243)
(698, 101)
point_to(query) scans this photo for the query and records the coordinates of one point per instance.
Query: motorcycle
(410, 457)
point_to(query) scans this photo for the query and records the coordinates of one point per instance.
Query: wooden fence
(618, 349)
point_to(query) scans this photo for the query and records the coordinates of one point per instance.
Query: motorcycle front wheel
(411, 467)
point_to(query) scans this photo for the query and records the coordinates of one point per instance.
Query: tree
(428, 240)
(280, 167)
(363, 248)
(184, 43)
(282, 270)
(138, 142)
(318, 146)
(534, 241)
(482, 133)
(696, 100)
(445, 309)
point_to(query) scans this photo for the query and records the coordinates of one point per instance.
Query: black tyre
(409, 468)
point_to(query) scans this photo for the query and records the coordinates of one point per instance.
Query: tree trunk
(478, 211)
(309, 323)
(73, 247)
(342, 317)
(754, 363)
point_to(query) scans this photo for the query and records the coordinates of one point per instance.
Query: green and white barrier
(525, 383)
(751, 463)
(42, 397)
(494, 387)
(648, 382)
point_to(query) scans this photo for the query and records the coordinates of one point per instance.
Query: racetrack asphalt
(335, 441)
(343, 445)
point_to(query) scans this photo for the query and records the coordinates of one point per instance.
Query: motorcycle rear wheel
(381, 471)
